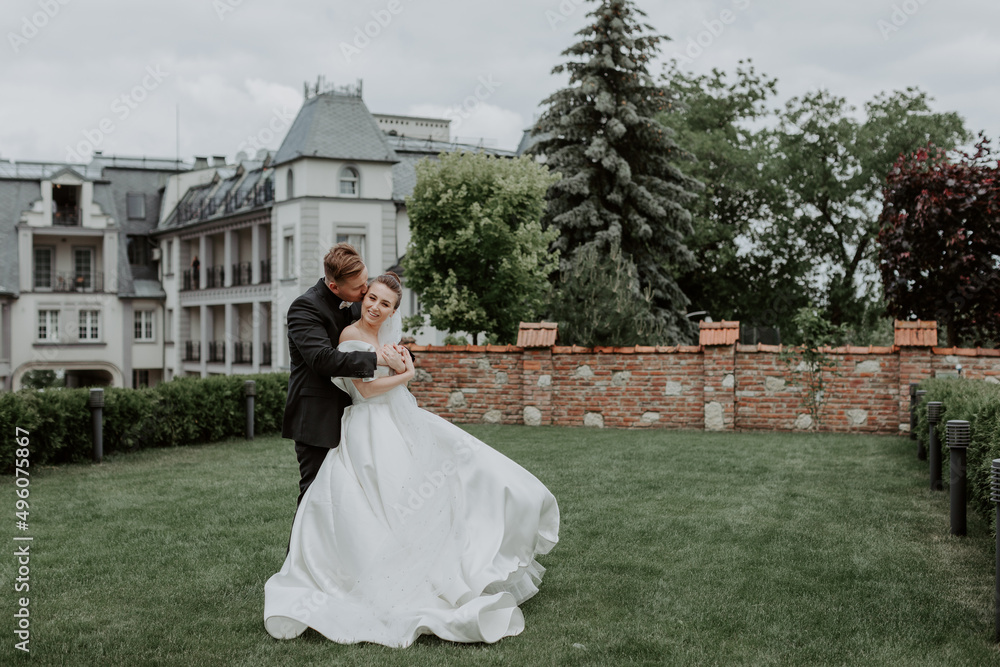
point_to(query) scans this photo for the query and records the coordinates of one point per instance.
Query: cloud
(472, 122)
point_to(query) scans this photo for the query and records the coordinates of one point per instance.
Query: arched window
(289, 185)
(349, 182)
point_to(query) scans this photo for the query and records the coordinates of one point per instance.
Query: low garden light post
(96, 405)
(933, 443)
(250, 390)
(913, 414)
(958, 443)
(917, 397)
(995, 497)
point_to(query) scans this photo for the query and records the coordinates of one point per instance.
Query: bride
(412, 526)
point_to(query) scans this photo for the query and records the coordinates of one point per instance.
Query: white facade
(69, 316)
(258, 248)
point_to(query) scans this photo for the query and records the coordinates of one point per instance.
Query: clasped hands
(396, 357)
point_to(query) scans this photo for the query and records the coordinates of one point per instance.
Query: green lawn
(676, 548)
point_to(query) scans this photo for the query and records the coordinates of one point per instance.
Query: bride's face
(378, 305)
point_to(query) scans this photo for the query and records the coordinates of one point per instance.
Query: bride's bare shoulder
(350, 332)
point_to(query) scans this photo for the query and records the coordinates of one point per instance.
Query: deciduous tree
(478, 256)
(939, 244)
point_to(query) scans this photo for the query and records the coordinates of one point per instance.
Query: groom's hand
(380, 359)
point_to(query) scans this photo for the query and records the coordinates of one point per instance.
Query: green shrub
(181, 412)
(977, 402)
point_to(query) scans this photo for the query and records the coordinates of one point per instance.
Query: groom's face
(353, 288)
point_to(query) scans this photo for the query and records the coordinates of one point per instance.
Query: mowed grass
(676, 547)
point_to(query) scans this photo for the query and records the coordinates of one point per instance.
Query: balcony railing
(190, 279)
(192, 350)
(242, 273)
(66, 217)
(217, 351)
(215, 276)
(70, 282)
(243, 352)
(265, 353)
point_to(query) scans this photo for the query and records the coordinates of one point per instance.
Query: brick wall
(714, 387)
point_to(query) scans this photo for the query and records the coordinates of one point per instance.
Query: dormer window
(349, 182)
(136, 205)
(65, 204)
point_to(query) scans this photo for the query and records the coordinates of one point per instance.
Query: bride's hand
(392, 358)
(408, 361)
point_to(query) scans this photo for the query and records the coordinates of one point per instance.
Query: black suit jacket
(315, 405)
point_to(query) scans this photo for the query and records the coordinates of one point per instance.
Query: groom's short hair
(342, 262)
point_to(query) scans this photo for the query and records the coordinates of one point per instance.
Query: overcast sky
(111, 74)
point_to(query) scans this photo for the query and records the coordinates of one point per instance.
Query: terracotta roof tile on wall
(537, 334)
(718, 333)
(916, 333)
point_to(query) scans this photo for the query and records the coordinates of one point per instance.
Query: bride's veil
(391, 331)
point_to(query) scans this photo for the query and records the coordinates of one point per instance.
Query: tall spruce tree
(620, 184)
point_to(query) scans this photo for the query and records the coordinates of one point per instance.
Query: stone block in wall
(772, 384)
(493, 417)
(803, 422)
(857, 417)
(714, 416)
(620, 378)
(649, 417)
(869, 366)
(532, 416)
(593, 419)
(456, 399)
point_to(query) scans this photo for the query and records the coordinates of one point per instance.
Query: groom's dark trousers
(315, 405)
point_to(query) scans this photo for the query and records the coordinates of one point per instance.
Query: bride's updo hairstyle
(391, 280)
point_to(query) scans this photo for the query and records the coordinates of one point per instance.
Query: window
(83, 268)
(168, 261)
(289, 256)
(349, 182)
(140, 378)
(89, 328)
(289, 185)
(144, 325)
(355, 239)
(136, 206)
(138, 250)
(43, 268)
(48, 325)
(168, 327)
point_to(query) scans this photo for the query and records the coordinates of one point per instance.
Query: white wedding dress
(411, 527)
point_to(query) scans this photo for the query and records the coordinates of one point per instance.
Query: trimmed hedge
(183, 411)
(977, 402)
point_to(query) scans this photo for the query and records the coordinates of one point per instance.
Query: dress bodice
(346, 383)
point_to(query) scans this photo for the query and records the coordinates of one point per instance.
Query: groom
(315, 405)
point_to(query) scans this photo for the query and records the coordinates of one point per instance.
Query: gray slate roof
(148, 289)
(15, 197)
(337, 126)
(113, 179)
(528, 141)
(411, 151)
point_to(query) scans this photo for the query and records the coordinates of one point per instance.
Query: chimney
(218, 160)
(200, 162)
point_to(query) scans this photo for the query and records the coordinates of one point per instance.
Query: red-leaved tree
(939, 242)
